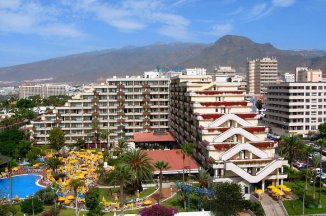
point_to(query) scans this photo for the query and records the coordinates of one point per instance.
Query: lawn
(294, 207)
(105, 192)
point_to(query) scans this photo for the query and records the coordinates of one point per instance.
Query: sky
(32, 30)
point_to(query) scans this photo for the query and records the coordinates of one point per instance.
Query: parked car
(322, 176)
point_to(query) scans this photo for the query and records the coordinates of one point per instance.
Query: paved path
(271, 206)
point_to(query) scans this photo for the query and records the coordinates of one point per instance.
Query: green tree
(75, 184)
(315, 161)
(92, 201)
(23, 148)
(161, 165)
(10, 165)
(80, 143)
(204, 178)
(33, 154)
(228, 199)
(322, 143)
(259, 104)
(104, 135)
(292, 148)
(186, 150)
(53, 163)
(57, 138)
(123, 176)
(140, 165)
(122, 146)
(322, 130)
(25, 103)
(31, 204)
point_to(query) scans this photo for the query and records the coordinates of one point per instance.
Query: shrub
(52, 212)
(158, 210)
(92, 199)
(56, 176)
(26, 206)
(46, 195)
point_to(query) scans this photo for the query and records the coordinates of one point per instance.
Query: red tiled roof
(173, 158)
(152, 137)
(225, 103)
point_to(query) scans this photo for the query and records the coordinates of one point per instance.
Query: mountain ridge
(231, 50)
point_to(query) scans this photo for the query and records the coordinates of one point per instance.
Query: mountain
(229, 50)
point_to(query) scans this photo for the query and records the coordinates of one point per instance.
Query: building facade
(217, 118)
(289, 77)
(295, 108)
(44, 90)
(119, 108)
(261, 73)
(304, 74)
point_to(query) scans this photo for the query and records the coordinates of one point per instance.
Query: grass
(105, 192)
(294, 207)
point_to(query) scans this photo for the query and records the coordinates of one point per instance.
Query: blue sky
(32, 30)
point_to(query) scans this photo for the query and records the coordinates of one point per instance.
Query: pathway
(271, 206)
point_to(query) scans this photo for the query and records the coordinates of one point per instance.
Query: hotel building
(120, 107)
(295, 108)
(261, 73)
(44, 90)
(216, 117)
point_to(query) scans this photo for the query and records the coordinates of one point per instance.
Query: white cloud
(9, 4)
(283, 3)
(221, 29)
(33, 18)
(258, 11)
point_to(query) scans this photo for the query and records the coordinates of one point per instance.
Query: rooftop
(152, 137)
(174, 158)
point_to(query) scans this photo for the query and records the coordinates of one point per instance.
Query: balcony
(121, 120)
(95, 100)
(95, 121)
(96, 128)
(146, 93)
(146, 113)
(146, 86)
(146, 120)
(121, 100)
(120, 113)
(95, 114)
(58, 114)
(147, 106)
(120, 107)
(121, 127)
(146, 99)
(57, 121)
(120, 93)
(147, 127)
(95, 107)
(120, 86)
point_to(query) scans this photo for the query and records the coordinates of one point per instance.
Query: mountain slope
(228, 50)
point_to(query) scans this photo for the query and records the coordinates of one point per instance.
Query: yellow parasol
(16, 198)
(66, 202)
(259, 191)
(70, 197)
(61, 199)
(147, 202)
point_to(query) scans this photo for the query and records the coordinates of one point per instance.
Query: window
(246, 190)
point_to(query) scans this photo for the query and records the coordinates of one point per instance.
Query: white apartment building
(261, 73)
(216, 117)
(43, 90)
(295, 108)
(121, 107)
(289, 77)
(304, 74)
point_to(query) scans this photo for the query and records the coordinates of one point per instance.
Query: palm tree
(122, 146)
(292, 147)
(140, 165)
(315, 161)
(161, 165)
(322, 143)
(53, 163)
(123, 176)
(204, 178)
(186, 150)
(10, 165)
(104, 135)
(75, 184)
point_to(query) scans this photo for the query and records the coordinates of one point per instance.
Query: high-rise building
(289, 77)
(43, 90)
(261, 73)
(295, 108)
(120, 107)
(216, 117)
(304, 74)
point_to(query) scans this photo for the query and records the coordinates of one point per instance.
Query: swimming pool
(22, 186)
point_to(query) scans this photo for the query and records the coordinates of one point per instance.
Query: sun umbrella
(147, 202)
(70, 197)
(61, 199)
(16, 198)
(259, 191)
(66, 202)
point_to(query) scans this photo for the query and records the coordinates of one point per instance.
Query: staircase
(259, 175)
(228, 117)
(232, 131)
(243, 146)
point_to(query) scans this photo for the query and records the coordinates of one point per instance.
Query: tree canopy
(57, 138)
